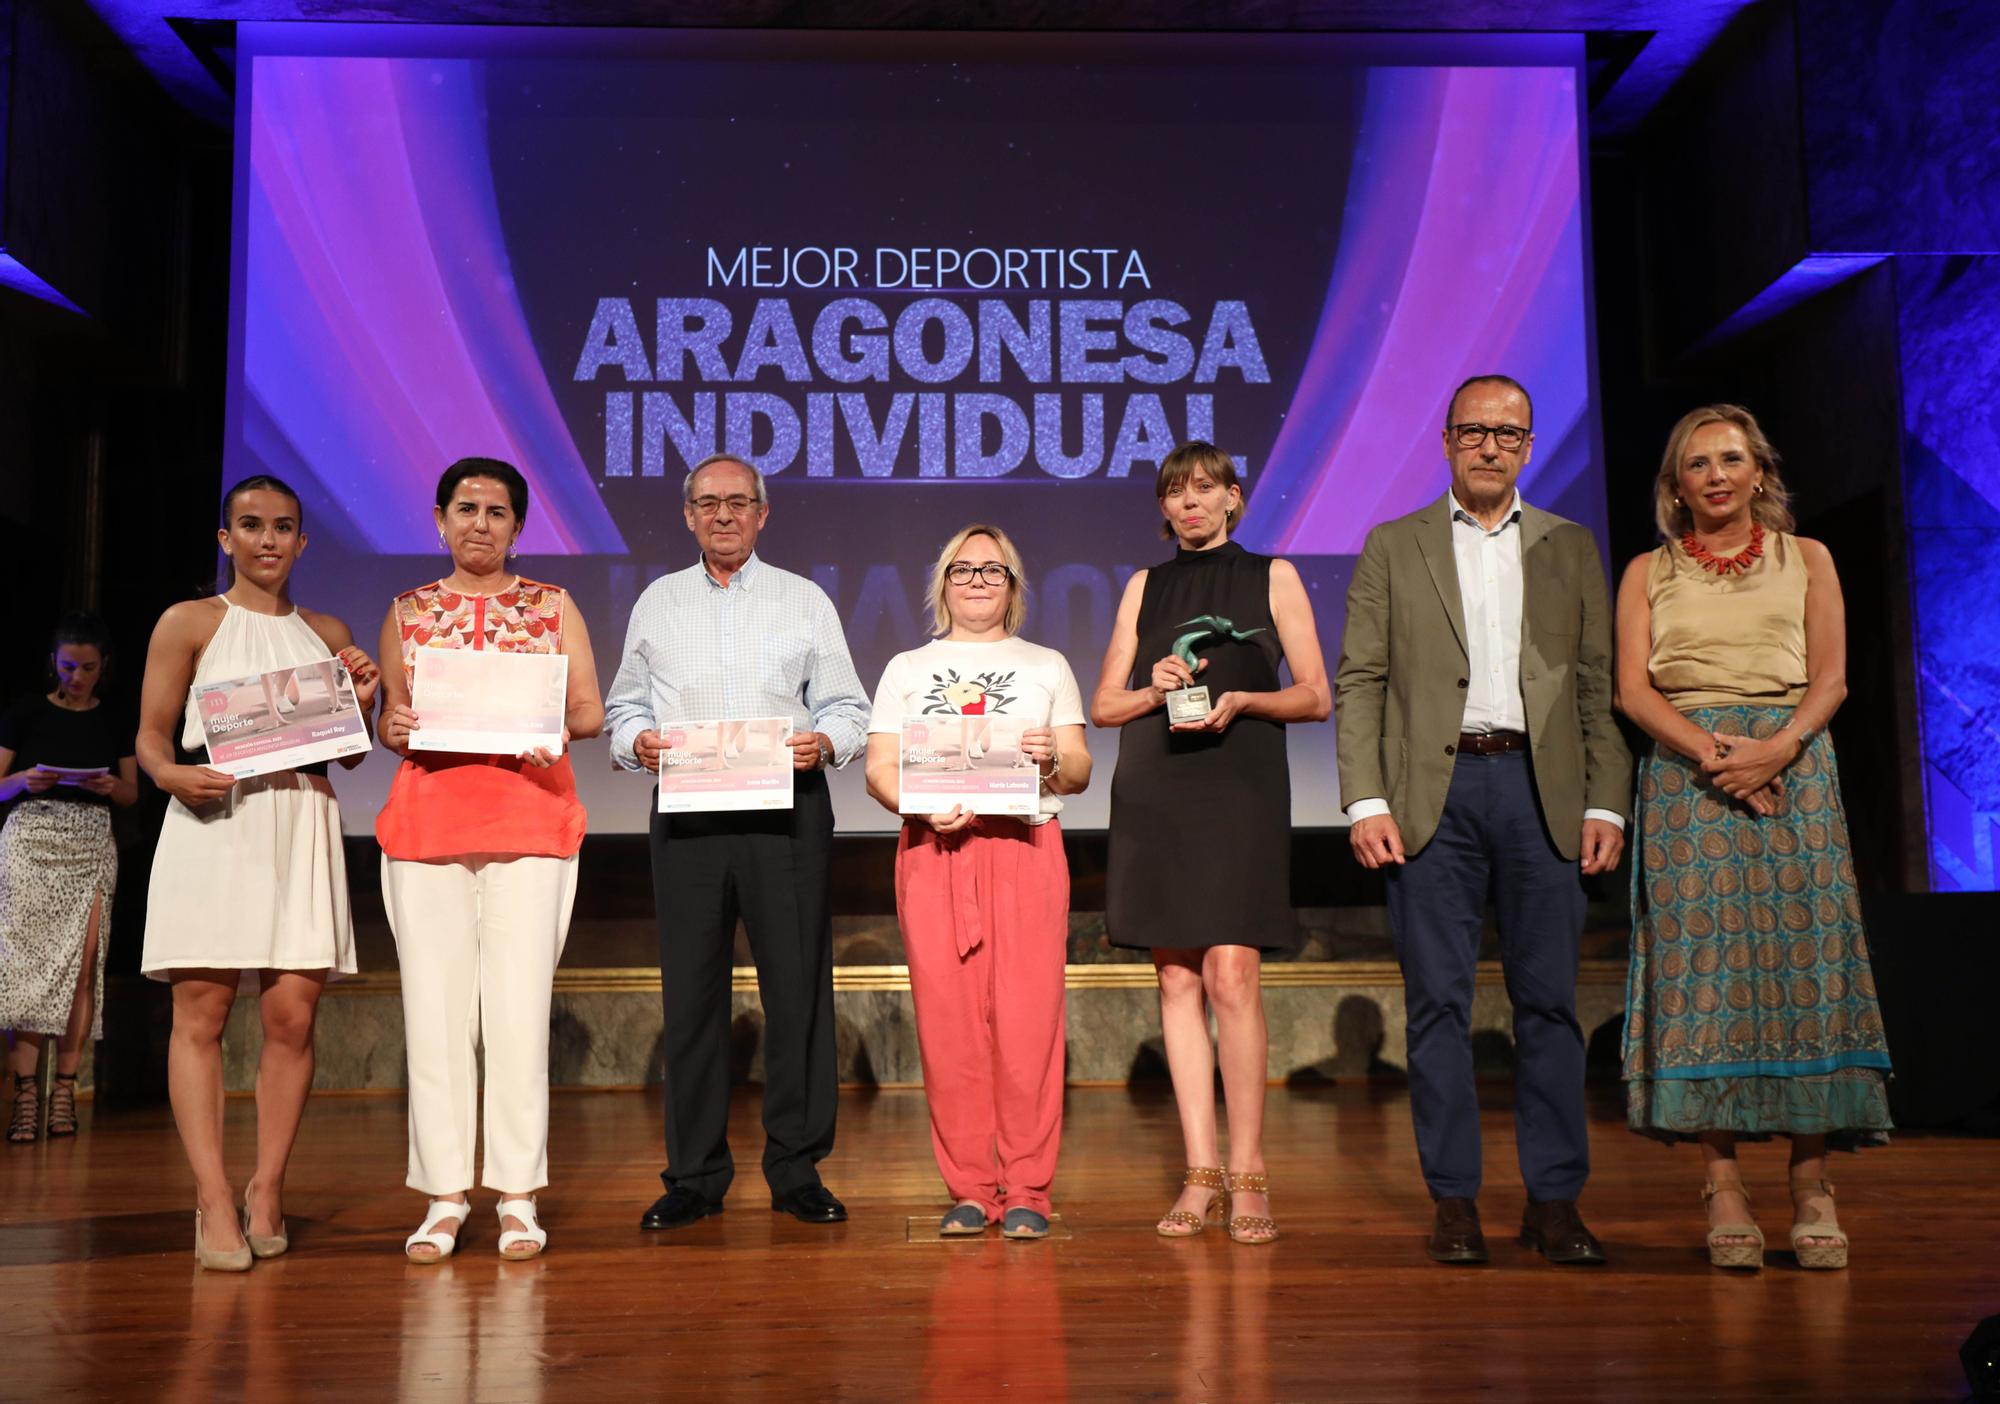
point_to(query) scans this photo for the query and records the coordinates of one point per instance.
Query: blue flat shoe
(1024, 1223)
(963, 1221)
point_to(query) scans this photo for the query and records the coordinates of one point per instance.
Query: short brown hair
(1771, 508)
(1017, 596)
(1183, 463)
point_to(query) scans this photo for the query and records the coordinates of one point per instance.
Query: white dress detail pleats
(258, 879)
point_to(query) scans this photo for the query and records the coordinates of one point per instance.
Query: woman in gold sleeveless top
(1750, 1006)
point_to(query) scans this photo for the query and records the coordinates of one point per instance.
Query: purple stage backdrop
(920, 279)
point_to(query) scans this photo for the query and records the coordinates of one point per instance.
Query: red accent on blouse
(444, 805)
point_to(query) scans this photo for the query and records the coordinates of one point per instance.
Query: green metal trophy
(1190, 704)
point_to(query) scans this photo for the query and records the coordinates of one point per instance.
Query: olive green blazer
(1399, 694)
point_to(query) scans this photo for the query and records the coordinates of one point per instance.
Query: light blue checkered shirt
(768, 644)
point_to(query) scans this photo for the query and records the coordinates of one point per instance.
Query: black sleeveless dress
(1201, 825)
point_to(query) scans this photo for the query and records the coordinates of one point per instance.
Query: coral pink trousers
(985, 916)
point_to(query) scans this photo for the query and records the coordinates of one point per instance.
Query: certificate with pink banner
(972, 762)
(488, 702)
(710, 765)
(280, 720)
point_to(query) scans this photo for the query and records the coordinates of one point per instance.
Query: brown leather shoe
(1555, 1230)
(1455, 1235)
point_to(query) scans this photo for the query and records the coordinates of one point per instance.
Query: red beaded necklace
(1726, 565)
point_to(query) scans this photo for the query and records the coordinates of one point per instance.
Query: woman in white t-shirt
(984, 899)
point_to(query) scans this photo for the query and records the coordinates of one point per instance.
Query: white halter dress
(257, 880)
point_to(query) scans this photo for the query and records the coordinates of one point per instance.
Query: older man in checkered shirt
(733, 637)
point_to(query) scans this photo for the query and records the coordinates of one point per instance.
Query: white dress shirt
(1489, 593)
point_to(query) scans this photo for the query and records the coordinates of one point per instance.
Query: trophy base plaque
(1187, 704)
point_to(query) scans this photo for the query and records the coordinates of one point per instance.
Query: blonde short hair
(1771, 508)
(1183, 463)
(1017, 598)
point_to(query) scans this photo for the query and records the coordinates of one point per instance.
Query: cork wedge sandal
(1733, 1255)
(1829, 1246)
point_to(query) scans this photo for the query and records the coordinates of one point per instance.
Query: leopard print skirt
(55, 857)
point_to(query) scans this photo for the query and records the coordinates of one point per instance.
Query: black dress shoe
(677, 1208)
(810, 1204)
(1555, 1230)
(1455, 1235)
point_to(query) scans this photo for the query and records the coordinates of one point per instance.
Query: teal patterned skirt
(1750, 1006)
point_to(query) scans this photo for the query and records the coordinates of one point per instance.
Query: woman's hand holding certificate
(973, 764)
(485, 702)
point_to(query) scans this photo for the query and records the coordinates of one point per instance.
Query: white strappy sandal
(521, 1243)
(439, 1211)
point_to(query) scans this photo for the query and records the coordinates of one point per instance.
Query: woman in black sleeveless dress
(1200, 868)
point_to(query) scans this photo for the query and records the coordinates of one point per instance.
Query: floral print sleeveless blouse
(445, 805)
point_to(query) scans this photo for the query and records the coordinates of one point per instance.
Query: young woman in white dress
(249, 874)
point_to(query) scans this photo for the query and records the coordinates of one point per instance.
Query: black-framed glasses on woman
(992, 573)
(1470, 436)
(737, 503)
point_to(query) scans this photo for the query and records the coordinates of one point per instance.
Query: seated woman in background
(66, 756)
(1750, 1008)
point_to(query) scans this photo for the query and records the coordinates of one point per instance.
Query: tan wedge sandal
(1831, 1250)
(1733, 1255)
(1181, 1223)
(1251, 1228)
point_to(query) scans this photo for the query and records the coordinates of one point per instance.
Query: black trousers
(772, 868)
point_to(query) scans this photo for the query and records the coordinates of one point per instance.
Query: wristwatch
(825, 750)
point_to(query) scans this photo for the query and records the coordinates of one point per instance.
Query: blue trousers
(1492, 846)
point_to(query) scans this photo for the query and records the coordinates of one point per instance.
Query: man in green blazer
(1479, 762)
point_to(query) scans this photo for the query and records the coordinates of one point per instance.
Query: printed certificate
(974, 762)
(488, 702)
(280, 720)
(712, 765)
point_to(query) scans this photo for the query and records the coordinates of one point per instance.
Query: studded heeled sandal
(26, 1124)
(1251, 1228)
(1733, 1255)
(1182, 1223)
(62, 1106)
(1829, 1246)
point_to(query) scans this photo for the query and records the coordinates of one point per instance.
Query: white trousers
(478, 938)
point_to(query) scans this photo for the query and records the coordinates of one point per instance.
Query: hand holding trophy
(1190, 703)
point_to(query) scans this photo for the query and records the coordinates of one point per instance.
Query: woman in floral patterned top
(479, 871)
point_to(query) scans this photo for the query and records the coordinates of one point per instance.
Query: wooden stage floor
(100, 1298)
